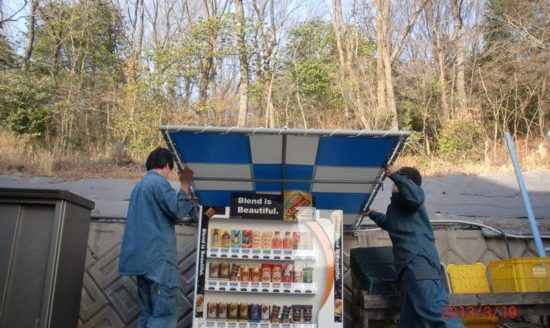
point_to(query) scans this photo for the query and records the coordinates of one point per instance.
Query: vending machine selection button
(264, 254)
(265, 287)
(223, 324)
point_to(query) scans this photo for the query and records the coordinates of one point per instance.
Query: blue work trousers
(423, 302)
(158, 304)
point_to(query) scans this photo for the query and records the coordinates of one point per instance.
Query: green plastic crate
(373, 268)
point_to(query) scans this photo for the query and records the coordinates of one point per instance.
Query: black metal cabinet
(43, 238)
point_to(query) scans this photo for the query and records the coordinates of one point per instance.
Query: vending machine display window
(260, 269)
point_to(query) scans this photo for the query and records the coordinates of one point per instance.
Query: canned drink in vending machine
(224, 271)
(298, 274)
(285, 316)
(247, 239)
(233, 311)
(236, 238)
(225, 238)
(265, 312)
(308, 313)
(274, 316)
(235, 272)
(287, 273)
(266, 272)
(254, 312)
(256, 239)
(243, 311)
(215, 238)
(222, 310)
(212, 310)
(308, 275)
(296, 313)
(245, 273)
(276, 273)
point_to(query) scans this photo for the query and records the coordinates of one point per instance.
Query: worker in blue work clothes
(148, 249)
(424, 299)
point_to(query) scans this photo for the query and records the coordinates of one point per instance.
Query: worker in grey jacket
(424, 299)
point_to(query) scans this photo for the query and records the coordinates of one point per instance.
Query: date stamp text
(485, 311)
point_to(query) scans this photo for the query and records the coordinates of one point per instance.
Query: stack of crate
(508, 275)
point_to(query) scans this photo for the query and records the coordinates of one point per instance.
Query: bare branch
(399, 45)
(11, 18)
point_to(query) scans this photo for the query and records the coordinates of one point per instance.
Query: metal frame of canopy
(400, 137)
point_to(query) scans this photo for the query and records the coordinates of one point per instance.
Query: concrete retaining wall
(110, 300)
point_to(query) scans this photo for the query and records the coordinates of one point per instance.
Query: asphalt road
(488, 198)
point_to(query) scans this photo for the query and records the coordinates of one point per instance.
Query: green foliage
(76, 62)
(409, 113)
(460, 140)
(7, 58)
(79, 37)
(312, 63)
(138, 129)
(26, 103)
(314, 79)
(513, 66)
(176, 66)
(312, 40)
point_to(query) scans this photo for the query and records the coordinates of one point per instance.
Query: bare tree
(30, 36)
(209, 10)
(458, 31)
(436, 18)
(340, 31)
(140, 28)
(382, 11)
(243, 61)
(386, 54)
(267, 50)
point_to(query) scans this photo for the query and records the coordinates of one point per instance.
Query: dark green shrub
(461, 140)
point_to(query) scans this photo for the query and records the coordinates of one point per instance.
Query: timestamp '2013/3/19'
(486, 311)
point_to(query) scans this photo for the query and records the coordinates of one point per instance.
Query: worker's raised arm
(411, 195)
(175, 204)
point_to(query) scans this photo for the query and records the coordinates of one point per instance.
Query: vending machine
(262, 264)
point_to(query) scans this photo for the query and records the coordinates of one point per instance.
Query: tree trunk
(207, 63)
(459, 45)
(270, 51)
(340, 31)
(439, 55)
(30, 40)
(243, 59)
(206, 66)
(392, 107)
(443, 84)
(141, 28)
(383, 64)
(380, 75)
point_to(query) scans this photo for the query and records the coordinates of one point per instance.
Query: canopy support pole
(534, 229)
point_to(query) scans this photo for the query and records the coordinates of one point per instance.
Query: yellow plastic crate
(481, 325)
(468, 278)
(480, 322)
(525, 274)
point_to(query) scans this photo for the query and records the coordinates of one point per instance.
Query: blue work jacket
(407, 222)
(149, 241)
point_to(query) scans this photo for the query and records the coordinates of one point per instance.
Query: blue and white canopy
(342, 169)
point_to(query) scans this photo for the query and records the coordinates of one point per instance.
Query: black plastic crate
(373, 268)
